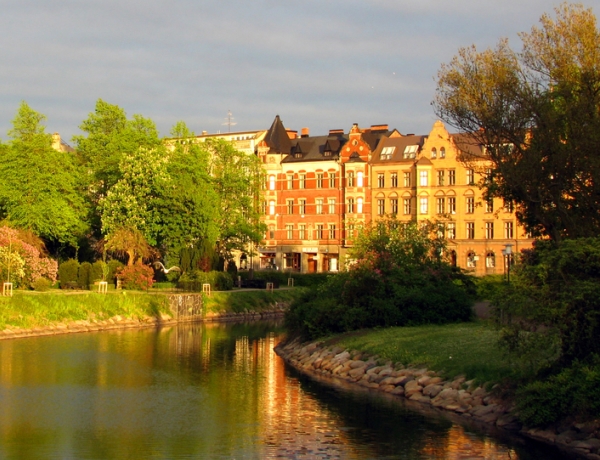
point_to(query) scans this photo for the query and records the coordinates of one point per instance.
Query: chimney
(305, 132)
(292, 133)
(379, 127)
(332, 132)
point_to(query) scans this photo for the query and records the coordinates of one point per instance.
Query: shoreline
(458, 397)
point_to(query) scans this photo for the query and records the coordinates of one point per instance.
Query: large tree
(38, 190)
(536, 113)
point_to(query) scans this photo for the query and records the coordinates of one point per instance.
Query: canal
(214, 391)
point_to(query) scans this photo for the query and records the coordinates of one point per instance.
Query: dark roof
(399, 144)
(316, 148)
(277, 138)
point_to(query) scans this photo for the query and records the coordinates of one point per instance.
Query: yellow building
(422, 178)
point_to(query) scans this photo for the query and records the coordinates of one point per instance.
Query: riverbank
(456, 395)
(30, 314)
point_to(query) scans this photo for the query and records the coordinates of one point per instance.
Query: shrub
(67, 274)
(219, 281)
(42, 284)
(84, 276)
(98, 271)
(136, 276)
(114, 266)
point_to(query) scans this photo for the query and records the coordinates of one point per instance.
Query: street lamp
(507, 251)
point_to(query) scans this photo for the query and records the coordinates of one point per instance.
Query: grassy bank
(469, 349)
(28, 309)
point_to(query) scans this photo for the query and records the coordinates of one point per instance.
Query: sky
(319, 64)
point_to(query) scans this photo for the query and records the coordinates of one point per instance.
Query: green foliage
(99, 271)
(42, 284)
(193, 281)
(114, 266)
(136, 277)
(398, 279)
(281, 278)
(537, 114)
(67, 274)
(39, 187)
(84, 276)
(574, 391)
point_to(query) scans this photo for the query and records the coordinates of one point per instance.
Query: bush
(281, 277)
(84, 276)
(67, 274)
(98, 271)
(114, 266)
(219, 281)
(42, 284)
(136, 276)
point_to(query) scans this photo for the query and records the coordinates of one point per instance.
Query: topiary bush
(42, 284)
(84, 276)
(136, 277)
(67, 274)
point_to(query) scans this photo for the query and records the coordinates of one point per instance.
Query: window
(350, 231)
(319, 180)
(359, 179)
(394, 179)
(272, 207)
(441, 205)
(264, 207)
(508, 230)
(490, 260)
(319, 232)
(350, 206)
(470, 227)
(381, 180)
(271, 232)
(440, 177)
(423, 176)
(451, 230)
(380, 207)
(470, 177)
(359, 205)
(271, 182)
(331, 180)
(489, 205)
(433, 153)
(451, 177)
(442, 152)
(319, 206)
(302, 231)
(302, 181)
(394, 205)
(508, 206)
(451, 205)
(289, 229)
(302, 206)
(386, 153)
(423, 205)
(331, 205)
(410, 151)
(350, 179)
(290, 181)
(489, 230)
(407, 179)
(471, 260)
(331, 231)
(290, 206)
(470, 205)
(407, 206)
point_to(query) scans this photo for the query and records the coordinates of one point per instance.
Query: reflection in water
(203, 391)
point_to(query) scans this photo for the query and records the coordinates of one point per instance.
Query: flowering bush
(35, 264)
(136, 276)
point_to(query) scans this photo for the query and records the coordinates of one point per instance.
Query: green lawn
(467, 349)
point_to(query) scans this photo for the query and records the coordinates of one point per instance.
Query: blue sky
(320, 64)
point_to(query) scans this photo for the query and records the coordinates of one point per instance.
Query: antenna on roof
(229, 121)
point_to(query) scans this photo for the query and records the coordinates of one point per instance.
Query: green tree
(237, 179)
(537, 114)
(39, 187)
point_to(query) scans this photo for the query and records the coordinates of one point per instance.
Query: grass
(240, 301)
(468, 349)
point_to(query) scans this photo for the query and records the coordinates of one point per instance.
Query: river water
(210, 391)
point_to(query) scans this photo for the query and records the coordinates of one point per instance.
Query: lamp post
(507, 251)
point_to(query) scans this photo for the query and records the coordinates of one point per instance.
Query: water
(206, 391)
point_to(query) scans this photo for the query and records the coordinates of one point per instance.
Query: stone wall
(458, 395)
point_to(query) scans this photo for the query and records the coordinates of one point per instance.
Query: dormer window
(410, 151)
(387, 152)
(327, 153)
(298, 155)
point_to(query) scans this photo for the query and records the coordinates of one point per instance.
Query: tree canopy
(537, 114)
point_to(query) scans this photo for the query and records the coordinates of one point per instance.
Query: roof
(395, 148)
(277, 138)
(316, 148)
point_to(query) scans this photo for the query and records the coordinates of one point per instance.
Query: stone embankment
(120, 322)
(459, 396)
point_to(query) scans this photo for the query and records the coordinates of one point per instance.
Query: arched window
(471, 260)
(271, 182)
(272, 207)
(490, 260)
(442, 152)
(359, 179)
(433, 153)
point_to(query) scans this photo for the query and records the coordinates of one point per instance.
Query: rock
(411, 388)
(356, 373)
(398, 391)
(432, 390)
(357, 364)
